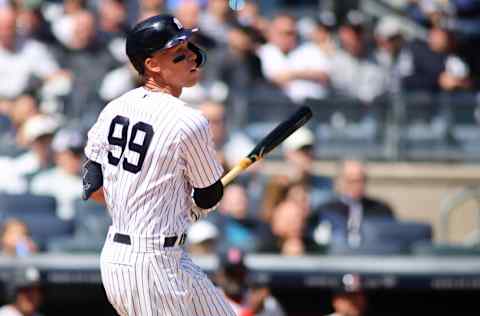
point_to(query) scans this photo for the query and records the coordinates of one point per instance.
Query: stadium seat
(90, 226)
(384, 236)
(401, 234)
(423, 127)
(264, 111)
(12, 204)
(465, 125)
(268, 104)
(345, 126)
(91, 219)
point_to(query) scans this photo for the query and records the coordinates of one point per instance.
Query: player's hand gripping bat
(269, 142)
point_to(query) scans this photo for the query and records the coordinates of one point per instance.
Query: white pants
(142, 281)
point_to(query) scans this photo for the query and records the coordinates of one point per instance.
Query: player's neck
(152, 85)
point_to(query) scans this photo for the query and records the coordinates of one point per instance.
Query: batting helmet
(157, 33)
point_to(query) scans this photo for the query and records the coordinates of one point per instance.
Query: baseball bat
(269, 142)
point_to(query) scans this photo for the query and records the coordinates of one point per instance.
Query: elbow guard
(208, 197)
(92, 178)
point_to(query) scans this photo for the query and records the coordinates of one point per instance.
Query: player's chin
(192, 78)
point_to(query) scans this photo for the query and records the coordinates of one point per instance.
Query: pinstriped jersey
(153, 149)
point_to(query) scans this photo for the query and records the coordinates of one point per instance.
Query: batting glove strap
(197, 213)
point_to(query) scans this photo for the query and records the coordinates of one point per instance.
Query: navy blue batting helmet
(157, 33)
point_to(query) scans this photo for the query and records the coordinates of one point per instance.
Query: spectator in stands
(288, 225)
(63, 181)
(88, 62)
(112, 27)
(118, 81)
(246, 294)
(215, 21)
(282, 39)
(314, 58)
(230, 145)
(19, 111)
(436, 66)
(238, 66)
(172, 5)
(33, 24)
(250, 15)
(436, 12)
(391, 53)
(63, 20)
(354, 71)
(298, 150)
(215, 114)
(37, 133)
(462, 14)
(202, 238)
(414, 10)
(188, 12)
(275, 191)
(16, 239)
(349, 299)
(24, 293)
(24, 63)
(150, 8)
(339, 221)
(236, 228)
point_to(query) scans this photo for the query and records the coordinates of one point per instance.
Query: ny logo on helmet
(177, 22)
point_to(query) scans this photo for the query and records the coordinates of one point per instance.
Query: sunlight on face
(175, 66)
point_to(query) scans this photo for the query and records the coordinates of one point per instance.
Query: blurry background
(371, 209)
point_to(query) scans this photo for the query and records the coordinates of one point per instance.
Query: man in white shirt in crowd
(276, 54)
(314, 58)
(282, 40)
(21, 59)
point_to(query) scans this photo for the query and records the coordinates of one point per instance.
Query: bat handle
(235, 171)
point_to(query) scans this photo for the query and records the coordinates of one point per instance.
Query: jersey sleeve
(202, 167)
(97, 146)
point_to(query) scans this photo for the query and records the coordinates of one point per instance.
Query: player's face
(178, 66)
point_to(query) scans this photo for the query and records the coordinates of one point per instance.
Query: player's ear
(152, 65)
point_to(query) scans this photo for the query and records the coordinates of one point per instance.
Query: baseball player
(151, 160)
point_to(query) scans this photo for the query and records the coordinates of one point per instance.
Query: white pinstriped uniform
(153, 149)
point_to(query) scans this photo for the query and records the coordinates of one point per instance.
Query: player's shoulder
(125, 98)
(191, 116)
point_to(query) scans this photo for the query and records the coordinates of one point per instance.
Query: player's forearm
(98, 196)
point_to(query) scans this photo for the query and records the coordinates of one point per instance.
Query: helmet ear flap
(201, 54)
